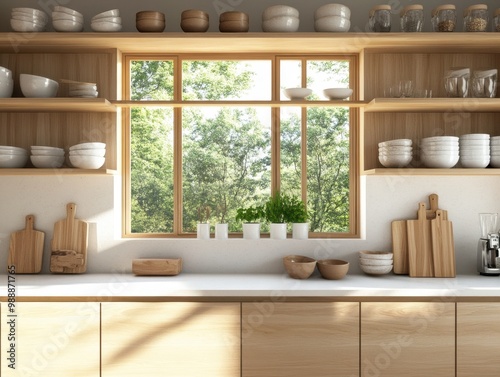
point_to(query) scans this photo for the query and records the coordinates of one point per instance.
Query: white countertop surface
(106, 286)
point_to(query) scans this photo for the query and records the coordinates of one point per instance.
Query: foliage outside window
(202, 141)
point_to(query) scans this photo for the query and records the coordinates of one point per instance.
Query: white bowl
(6, 88)
(376, 270)
(337, 93)
(87, 162)
(67, 26)
(475, 162)
(281, 24)
(38, 21)
(108, 13)
(88, 152)
(279, 11)
(474, 143)
(105, 27)
(90, 145)
(34, 86)
(47, 152)
(5, 73)
(395, 142)
(495, 161)
(66, 16)
(332, 10)
(13, 161)
(32, 12)
(440, 160)
(72, 12)
(439, 148)
(368, 254)
(395, 160)
(47, 161)
(475, 149)
(495, 140)
(297, 93)
(375, 262)
(4, 148)
(395, 149)
(475, 137)
(26, 26)
(115, 20)
(332, 24)
(448, 139)
(10, 152)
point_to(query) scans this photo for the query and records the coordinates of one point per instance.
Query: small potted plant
(250, 216)
(296, 214)
(275, 214)
(203, 226)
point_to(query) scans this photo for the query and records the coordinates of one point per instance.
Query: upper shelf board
(455, 105)
(253, 42)
(301, 103)
(30, 105)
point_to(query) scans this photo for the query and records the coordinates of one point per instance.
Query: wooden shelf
(416, 105)
(304, 103)
(424, 171)
(31, 105)
(59, 172)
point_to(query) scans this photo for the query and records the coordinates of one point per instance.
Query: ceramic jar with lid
(497, 20)
(412, 18)
(444, 18)
(380, 18)
(476, 18)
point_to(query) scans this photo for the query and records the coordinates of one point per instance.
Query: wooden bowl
(233, 26)
(194, 25)
(194, 13)
(233, 16)
(333, 269)
(150, 25)
(298, 266)
(149, 14)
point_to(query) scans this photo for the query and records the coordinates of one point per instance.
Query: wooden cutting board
(420, 245)
(69, 244)
(400, 247)
(26, 249)
(443, 247)
(434, 206)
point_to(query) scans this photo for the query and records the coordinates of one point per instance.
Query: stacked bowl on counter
(109, 21)
(376, 262)
(439, 151)
(13, 157)
(332, 18)
(280, 18)
(6, 83)
(28, 20)
(87, 155)
(46, 157)
(396, 153)
(66, 19)
(495, 151)
(475, 150)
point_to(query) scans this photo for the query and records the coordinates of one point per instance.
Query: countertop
(117, 286)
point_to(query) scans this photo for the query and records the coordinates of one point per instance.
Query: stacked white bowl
(83, 89)
(28, 20)
(475, 150)
(396, 153)
(108, 21)
(280, 18)
(46, 157)
(376, 262)
(6, 83)
(13, 157)
(87, 155)
(495, 151)
(332, 17)
(34, 86)
(66, 19)
(439, 151)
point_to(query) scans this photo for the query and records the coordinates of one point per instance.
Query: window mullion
(177, 147)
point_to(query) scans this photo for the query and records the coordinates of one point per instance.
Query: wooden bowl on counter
(194, 21)
(333, 269)
(233, 22)
(150, 22)
(299, 266)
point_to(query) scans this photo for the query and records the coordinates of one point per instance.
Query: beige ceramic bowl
(333, 269)
(375, 254)
(194, 25)
(237, 26)
(298, 266)
(150, 25)
(233, 16)
(194, 13)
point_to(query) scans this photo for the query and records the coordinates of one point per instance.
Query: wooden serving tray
(157, 267)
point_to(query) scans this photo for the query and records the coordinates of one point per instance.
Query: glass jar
(444, 18)
(412, 18)
(380, 18)
(497, 20)
(484, 83)
(476, 18)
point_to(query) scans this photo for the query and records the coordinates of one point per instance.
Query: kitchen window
(205, 135)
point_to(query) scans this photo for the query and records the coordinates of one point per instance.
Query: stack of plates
(395, 153)
(87, 155)
(475, 150)
(46, 157)
(108, 21)
(13, 157)
(439, 151)
(375, 262)
(495, 151)
(81, 89)
(28, 20)
(66, 19)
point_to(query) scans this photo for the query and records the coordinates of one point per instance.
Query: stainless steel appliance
(488, 259)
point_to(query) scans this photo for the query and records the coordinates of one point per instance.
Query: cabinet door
(408, 339)
(171, 339)
(478, 339)
(300, 339)
(52, 339)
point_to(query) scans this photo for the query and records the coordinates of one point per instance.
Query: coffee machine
(488, 258)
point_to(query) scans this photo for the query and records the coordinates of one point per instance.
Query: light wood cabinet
(170, 339)
(52, 339)
(478, 339)
(414, 339)
(300, 339)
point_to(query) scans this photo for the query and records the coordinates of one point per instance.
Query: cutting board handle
(30, 221)
(71, 211)
(422, 211)
(433, 201)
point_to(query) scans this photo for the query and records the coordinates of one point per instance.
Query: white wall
(98, 200)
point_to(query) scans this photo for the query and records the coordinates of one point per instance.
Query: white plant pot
(300, 231)
(221, 231)
(278, 231)
(203, 231)
(251, 231)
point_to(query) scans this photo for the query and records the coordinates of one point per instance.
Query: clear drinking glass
(488, 223)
